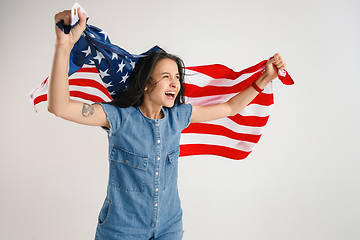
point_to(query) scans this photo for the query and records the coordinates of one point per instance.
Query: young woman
(144, 127)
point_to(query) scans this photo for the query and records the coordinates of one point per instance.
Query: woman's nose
(174, 82)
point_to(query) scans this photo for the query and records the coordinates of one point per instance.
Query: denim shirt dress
(142, 196)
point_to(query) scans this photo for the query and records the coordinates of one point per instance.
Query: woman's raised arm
(59, 102)
(242, 99)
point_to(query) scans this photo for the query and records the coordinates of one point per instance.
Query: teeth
(170, 93)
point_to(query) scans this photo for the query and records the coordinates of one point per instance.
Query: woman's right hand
(75, 33)
(59, 101)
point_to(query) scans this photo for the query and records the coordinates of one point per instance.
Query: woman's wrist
(263, 81)
(63, 48)
(256, 87)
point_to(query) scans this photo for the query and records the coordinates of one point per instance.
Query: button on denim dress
(142, 196)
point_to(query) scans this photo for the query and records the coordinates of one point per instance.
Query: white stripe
(81, 100)
(192, 138)
(256, 110)
(228, 123)
(40, 90)
(90, 75)
(250, 110)
(89, 66)
(209, 100)
(89, 90)
(202, 80)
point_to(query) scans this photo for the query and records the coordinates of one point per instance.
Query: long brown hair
(140, 77)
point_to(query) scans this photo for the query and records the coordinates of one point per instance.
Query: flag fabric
(99, 71)
(114, 64)
(232, 137)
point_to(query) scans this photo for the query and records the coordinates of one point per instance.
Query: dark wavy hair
(140, 77)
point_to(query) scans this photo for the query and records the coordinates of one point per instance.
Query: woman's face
(164, 83)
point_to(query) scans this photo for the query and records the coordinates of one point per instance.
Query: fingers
(64, 15)
(82, 19)
(73, 36)
(278, 61)
(80, 27)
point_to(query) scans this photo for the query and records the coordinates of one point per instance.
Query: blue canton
(113, 63)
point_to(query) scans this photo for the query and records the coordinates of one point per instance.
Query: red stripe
(39, 99)
(88, 70)
(218, 71)
(250, 121)
(196, 91)
(205, 128)
(287, 80)
(44, 81)
(203, 149)
(263, 99)
(84, 82)
(86, 96)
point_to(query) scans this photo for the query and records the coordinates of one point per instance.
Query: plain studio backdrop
(302, 180)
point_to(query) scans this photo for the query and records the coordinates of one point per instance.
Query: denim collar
(153, 120)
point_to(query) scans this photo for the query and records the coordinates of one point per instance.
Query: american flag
(99, 70)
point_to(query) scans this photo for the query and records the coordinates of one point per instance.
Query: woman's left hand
(273, 64)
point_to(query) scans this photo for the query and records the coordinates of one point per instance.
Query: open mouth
(170, 95)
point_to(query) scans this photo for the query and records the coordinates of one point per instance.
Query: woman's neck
(151, 112)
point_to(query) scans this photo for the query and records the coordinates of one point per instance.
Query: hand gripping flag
(99, 71)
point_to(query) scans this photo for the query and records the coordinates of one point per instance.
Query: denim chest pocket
(127, 170)
(171, 168)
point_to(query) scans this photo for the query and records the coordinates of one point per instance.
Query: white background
(302, 180)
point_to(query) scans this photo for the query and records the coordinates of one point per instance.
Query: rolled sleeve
(184, 113)
(115, 117)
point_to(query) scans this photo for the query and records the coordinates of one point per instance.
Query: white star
(87, 52)
(132, 64)
(99, 56)
(105, 34)
(124, 78)
(114, 56)
(108, 84)
(113, 93)
(92, 35)
(104, 74)
(121, 66)
(91, 62)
